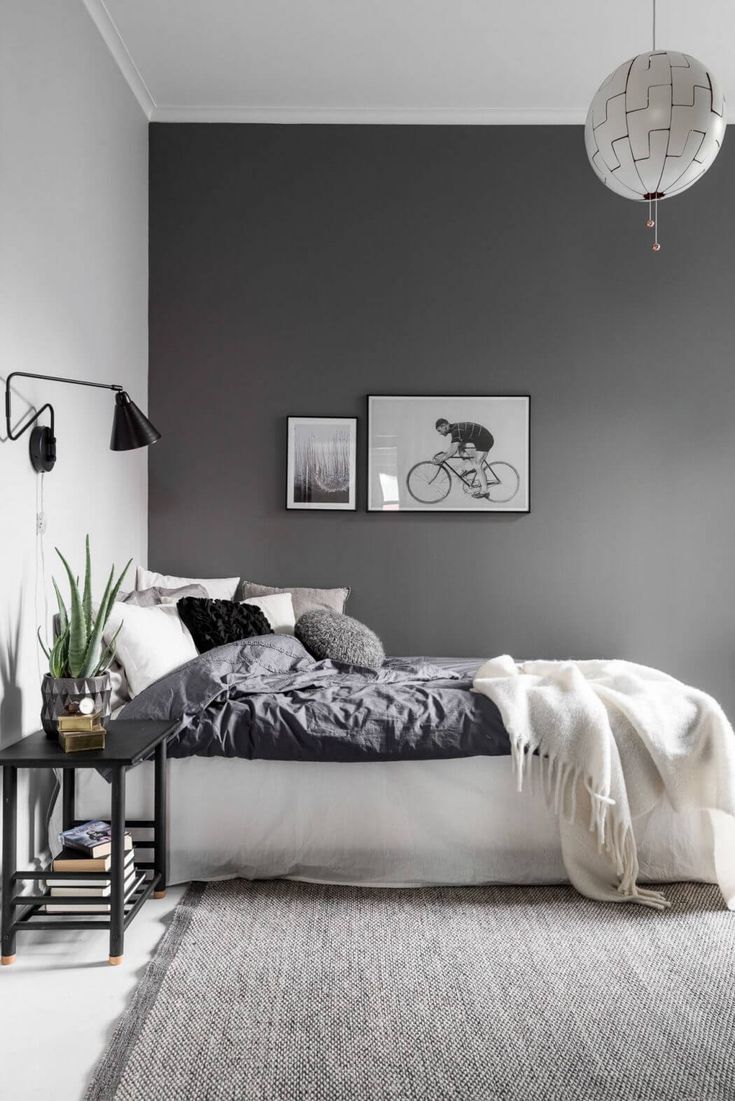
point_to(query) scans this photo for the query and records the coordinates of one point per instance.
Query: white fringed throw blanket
(612, 740)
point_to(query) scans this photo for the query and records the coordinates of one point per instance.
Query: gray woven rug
(284, 991)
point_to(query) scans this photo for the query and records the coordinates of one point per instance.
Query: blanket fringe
(559, 782)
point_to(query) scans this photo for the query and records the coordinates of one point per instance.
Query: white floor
(60, 1000)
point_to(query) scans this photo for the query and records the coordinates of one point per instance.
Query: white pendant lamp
(655, 126)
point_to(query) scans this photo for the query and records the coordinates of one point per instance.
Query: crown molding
(115, 43)
(368, 116)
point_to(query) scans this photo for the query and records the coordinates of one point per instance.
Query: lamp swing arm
(130, 427)
(46, 378)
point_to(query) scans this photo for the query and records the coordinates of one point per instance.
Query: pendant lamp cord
(652, 222)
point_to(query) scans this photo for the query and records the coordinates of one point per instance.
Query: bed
(287, 767)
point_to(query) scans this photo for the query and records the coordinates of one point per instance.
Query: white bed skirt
(405, 823)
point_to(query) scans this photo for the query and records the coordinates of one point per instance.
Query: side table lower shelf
(32, 918)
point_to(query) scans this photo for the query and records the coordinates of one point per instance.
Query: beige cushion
(278, 609)
(149, 598)
(218, 588)
(304, 599)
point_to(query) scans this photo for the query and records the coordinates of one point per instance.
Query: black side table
(128, 743)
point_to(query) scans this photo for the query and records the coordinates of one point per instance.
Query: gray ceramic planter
(64, 695)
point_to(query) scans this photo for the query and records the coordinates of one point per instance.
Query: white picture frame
(322, 464)
(404, 437)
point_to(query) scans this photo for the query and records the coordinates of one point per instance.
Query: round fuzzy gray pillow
(339, 637)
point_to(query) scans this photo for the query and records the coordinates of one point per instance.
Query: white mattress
(400, 823)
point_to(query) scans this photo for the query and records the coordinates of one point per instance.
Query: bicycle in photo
(430, 482)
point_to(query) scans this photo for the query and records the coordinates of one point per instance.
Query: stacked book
(87, 848)
(78, 732)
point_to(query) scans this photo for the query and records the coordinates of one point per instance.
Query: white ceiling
(386, 61)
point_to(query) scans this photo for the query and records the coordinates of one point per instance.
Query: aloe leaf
(108, 654)
(116, 588)
(104, 663)
(78, 636)
(58, 658)
(43, 645)
(109, 599)
(54, 657)
(87, 596)
(54, 663)
(94, 642)
(63, 614)
(94, 647)
(64, 656)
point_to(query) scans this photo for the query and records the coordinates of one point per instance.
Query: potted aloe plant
(78, 681)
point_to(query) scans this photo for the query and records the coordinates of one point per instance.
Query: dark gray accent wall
(296, 269)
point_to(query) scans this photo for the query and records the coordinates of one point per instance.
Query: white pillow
(278, 610)
(152, 642)
(218, 588)
(118, 685)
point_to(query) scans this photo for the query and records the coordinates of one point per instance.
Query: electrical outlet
(41, 523)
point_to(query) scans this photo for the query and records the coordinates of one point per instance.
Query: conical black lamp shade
(130, 428)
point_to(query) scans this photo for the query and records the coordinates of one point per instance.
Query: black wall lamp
(130, 428)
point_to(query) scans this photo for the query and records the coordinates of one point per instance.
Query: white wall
(73, 301)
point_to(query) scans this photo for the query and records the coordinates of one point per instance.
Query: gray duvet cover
(266, 698)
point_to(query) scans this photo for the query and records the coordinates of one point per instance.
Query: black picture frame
(317, 471)
(394, 468)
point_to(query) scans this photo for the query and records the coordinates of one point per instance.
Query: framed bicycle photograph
(449, 454)
(322, 463)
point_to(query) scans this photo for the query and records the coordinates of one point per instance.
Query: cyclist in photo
(471, 442)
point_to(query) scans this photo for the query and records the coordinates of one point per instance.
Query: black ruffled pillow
(217, 622)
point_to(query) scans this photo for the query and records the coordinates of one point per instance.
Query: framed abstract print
(322, 455)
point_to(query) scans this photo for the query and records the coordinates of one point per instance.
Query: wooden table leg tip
(115, 961)
(7, 960)
(159, 894)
